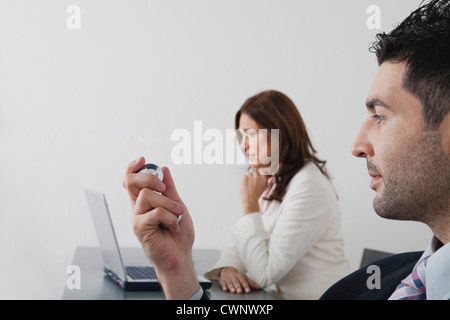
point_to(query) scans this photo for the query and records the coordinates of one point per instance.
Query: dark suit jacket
(393, 270)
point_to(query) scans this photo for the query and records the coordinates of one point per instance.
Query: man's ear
(444, 129)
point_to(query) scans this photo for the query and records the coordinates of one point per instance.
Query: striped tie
(413, 286)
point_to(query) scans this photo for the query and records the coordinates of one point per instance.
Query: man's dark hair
(423, 41)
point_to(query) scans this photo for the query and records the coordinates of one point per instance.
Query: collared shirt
(438, 270)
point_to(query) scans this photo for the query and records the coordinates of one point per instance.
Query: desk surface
(95, 285)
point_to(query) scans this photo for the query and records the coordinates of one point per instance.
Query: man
(406, 143)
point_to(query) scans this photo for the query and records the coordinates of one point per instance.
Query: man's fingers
(132, 167)
(148, 200)
(135, 165)
(144, 224)
(135, 182)
(144, 180)
(171, 191)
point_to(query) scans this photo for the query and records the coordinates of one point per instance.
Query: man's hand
(167, 242)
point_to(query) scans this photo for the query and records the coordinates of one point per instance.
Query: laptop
(130, 278)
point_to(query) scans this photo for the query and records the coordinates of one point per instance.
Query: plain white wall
(77, 105)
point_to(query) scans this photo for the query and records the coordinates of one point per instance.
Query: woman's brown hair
(274, 110)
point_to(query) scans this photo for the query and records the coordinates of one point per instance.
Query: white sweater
(295, 245)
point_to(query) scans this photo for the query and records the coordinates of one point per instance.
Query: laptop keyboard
(138, 273)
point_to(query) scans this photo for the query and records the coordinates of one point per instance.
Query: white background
(77, 105)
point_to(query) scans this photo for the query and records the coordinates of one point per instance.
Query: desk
(95, 285)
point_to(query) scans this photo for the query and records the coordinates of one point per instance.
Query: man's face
(409, 164)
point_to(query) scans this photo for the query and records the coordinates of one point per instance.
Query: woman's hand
(252, 187)
(235, 282)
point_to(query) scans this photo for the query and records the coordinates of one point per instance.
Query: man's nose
(362, 146)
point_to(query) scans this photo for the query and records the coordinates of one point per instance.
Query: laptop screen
(105, 232)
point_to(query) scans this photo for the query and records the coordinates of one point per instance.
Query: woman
(290, 234)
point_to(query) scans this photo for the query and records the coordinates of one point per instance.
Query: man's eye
(378, 117)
